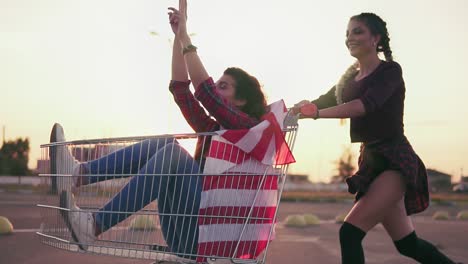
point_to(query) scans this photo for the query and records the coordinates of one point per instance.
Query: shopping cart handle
(290, 119)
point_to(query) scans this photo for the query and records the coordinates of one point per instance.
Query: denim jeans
(163, 170)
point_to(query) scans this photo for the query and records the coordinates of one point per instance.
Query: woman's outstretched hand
(306, 109)
(297, 107)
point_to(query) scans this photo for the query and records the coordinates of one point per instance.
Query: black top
(383, 94)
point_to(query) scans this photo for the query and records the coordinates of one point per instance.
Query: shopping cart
(236, 207)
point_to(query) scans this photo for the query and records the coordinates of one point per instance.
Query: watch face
(309, 109)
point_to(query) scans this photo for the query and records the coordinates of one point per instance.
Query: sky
(96, 68)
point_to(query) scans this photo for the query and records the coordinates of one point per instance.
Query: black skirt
(392, 154)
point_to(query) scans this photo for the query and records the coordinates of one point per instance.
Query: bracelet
(317, 115)
(189, 48)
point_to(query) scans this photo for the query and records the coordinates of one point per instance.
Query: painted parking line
(25, 230)
(300, 239)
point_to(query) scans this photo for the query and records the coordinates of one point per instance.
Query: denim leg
(125, 161)
(157, 179)
(182, 202)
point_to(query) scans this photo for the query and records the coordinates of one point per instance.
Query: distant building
(300, 182)
(297, 182)
(462, 186)
(439, 181)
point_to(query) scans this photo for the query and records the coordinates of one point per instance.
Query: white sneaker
(81, 223)
(63, 164)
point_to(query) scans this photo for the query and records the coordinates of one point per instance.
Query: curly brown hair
(249, 89)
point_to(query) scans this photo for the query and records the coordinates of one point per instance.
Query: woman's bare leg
(385, 192)
(396, 222)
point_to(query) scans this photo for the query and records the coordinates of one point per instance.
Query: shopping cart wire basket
(147, 198)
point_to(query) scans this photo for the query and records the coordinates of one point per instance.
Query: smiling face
(359, 39)
(226, 88)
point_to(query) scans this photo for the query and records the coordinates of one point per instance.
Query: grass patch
(454, 197)
(448, 199)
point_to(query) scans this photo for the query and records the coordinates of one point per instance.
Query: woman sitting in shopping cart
(235, 101)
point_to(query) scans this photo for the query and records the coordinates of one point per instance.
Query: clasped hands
(306, 109)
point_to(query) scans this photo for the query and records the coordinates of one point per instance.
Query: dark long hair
(249, 89)
(377, 26)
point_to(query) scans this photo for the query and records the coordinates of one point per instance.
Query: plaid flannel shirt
(221, 113)
(396, 154)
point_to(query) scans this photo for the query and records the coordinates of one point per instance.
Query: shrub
(441, 215)
(311, 219)
(5, 226)
(463, 215)
(295, 221)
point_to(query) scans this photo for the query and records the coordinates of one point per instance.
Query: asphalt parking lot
(314, 244)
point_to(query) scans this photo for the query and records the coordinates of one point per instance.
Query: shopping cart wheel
(159, 248)
(218, 261)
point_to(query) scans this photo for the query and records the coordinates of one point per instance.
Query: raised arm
(179, 86)
(179, 69)
(195, 67)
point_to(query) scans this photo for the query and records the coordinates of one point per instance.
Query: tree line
(14, 157)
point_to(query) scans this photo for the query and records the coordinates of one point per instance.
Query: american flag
(240, 186)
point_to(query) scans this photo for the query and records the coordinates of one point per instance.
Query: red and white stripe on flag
(239, 196)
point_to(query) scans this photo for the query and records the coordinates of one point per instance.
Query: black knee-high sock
(421, 250)
(351, 244)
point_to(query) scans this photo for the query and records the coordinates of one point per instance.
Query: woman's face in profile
(359, 39)
(226, 88)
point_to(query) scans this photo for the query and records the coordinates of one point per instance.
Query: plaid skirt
(394, 154)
